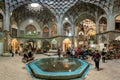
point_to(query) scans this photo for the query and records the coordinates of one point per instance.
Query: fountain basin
(55, 68)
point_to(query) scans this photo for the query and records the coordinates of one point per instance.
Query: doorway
(66, 44)
(31, 44)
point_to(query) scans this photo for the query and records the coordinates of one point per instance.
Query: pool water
(58, 65)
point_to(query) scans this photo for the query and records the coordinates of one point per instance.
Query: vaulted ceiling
(2, 6)
(81, 11)
(22, 13)
(58, 7)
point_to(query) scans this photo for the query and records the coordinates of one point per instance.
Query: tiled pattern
(59, 6)
(11, 68)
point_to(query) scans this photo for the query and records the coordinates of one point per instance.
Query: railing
(30, 36)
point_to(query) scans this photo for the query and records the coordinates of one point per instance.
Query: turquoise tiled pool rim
(79, 72)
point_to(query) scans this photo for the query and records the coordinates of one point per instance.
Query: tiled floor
(11, 68)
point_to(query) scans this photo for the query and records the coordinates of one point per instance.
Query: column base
(6, 54)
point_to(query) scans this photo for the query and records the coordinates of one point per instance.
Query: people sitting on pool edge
(28, 55)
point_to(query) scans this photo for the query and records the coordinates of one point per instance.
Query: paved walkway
(108, 71)
(11, 68)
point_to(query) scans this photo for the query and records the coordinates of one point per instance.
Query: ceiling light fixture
(66, 19)
(34, 7)
(30, 21)
(34, 4)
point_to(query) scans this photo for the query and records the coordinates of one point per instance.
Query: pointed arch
(45, 31)
(102, 24)
(54, 30)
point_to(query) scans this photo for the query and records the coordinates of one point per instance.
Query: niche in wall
(14, 32)
(117, 25)
(117, 22)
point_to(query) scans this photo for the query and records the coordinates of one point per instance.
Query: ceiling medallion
(34, 7)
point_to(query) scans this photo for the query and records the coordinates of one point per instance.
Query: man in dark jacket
(59, 52)
(96, 58)
(103, 55)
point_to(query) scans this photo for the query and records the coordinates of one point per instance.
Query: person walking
(103, 55)
(59, 52)
(96, 58)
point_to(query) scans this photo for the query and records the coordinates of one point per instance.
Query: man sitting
(27, 56)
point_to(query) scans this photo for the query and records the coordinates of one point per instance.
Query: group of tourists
(84, 53)
(27, 52)
(78, 53)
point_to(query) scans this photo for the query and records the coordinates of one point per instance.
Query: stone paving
(11, 68)
(108, 71)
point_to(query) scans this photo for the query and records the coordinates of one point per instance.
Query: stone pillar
(6, 33)
(73, 35)
(73, 30)
(110, 25)
(7, 21)
(49, 26)
(110, 19)
(97, 31)
(59, 30)
(60, 43)
(41, 33)
(110, 22)
(97, 27)
(49, 31)
(6, 27)
(97, 22)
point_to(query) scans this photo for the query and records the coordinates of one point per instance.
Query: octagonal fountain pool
(55, 68)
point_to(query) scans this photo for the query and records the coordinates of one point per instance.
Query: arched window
(87, 26)
(117, 23)
(45, 31)
(1, 22)
(54, 44)
(54, 30)
(30, 30)
(67, 29)
(91, 33)
(102, 25)
(81, 35)
(46, 45)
